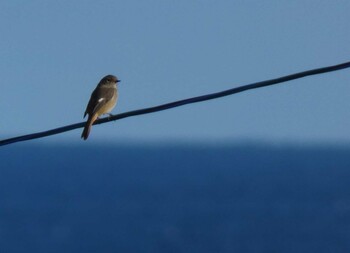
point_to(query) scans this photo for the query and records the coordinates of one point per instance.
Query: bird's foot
(110, 115)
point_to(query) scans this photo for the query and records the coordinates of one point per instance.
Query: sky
(53, 54)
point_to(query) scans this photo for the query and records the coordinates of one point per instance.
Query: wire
(178, 103)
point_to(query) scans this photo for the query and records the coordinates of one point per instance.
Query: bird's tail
(87, 128)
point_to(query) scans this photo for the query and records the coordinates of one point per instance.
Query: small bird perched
(103, 99)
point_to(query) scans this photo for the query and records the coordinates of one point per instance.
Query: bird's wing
(91, 105)
(99, 98)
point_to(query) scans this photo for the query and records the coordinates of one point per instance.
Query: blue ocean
(174, 197)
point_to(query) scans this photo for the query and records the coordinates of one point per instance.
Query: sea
(174, 197)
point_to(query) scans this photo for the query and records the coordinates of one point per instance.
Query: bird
(103, 99)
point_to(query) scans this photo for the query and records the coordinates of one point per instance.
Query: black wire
(179, 103)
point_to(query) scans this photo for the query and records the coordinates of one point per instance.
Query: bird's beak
(118, 81)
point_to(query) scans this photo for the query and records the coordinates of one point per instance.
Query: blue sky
(53, 53)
